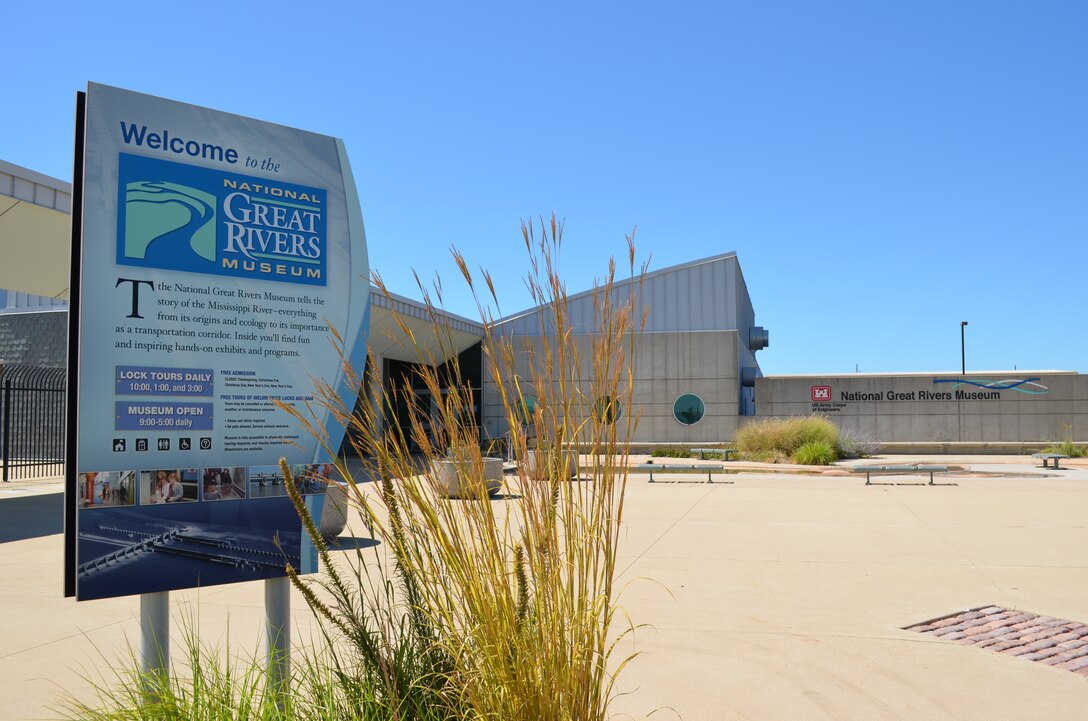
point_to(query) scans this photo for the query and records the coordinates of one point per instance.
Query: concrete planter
(536, 462)
(457, 485)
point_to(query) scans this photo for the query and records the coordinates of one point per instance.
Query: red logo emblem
(821, 393)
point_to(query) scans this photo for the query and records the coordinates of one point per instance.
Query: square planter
(536, 463)
(448, 478)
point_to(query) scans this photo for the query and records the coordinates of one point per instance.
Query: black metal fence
(32, 421)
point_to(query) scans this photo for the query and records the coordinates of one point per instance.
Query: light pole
(963, 352)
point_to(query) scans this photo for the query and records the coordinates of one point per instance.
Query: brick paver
(1044, 639)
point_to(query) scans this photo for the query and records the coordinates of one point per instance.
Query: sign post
(155, 634)
(277, 610)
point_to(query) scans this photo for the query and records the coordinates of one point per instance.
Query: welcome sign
(213, 254)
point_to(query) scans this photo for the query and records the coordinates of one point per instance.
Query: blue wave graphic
(154, 233)
(1004, 385)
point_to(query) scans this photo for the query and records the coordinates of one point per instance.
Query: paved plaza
(778, 596)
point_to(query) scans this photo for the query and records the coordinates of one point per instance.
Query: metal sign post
(277, 609)
(155, 634)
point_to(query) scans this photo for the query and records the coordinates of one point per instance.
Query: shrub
(857, 443)
(815, 453)
(1066, 446)
(671, 452)
(775, 438)
(758, 438)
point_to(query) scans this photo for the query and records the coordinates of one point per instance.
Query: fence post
(7, 427)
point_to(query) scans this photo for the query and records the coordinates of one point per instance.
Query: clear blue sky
(883, 170)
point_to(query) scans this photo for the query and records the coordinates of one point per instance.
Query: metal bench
(679, 468)
(726, 452)
(904, 469)
(1047, 457)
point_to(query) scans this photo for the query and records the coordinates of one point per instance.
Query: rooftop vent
(758, 338)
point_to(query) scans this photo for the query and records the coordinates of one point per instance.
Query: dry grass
(778, 439)
(508, 607)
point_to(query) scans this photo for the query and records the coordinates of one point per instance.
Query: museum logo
(173, 216)
(991, 389)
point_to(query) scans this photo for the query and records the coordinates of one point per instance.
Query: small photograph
(107, 489)
(312, 478)
(224, 484)
(169, 485)
(266, 482)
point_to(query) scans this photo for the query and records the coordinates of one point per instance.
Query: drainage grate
(1053, 641)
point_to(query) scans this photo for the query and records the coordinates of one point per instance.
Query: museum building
(697, 378)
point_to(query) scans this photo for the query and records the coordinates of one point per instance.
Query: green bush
(1066, 446)
(779, 438)
(815, 453)
(671, 452)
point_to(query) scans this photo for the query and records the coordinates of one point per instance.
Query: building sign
(942, 390)
(215, 251)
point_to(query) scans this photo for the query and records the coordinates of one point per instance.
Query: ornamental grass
(779, 439)
(498, 608)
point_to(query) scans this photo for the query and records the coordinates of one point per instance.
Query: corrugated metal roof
(699, 295)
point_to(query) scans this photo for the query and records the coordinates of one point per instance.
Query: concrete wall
(913, 407)
(667, 365)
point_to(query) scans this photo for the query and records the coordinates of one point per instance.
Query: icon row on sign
(120, 445)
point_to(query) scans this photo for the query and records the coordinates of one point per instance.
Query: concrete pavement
(784, 597)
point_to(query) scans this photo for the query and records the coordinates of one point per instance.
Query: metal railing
(32, 426)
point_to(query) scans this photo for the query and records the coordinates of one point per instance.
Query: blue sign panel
(151, 381)
(142, 415)
(215, 253)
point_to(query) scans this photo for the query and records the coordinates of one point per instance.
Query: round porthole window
(608, 410)
(688, 409)
(526, 410)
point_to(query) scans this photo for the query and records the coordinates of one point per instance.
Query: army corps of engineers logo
(181, 217)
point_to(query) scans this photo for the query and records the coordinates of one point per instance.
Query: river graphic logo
(1027, 386)
(179, 217)
(168, 214)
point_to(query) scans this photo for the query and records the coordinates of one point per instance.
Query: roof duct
(758, 338)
